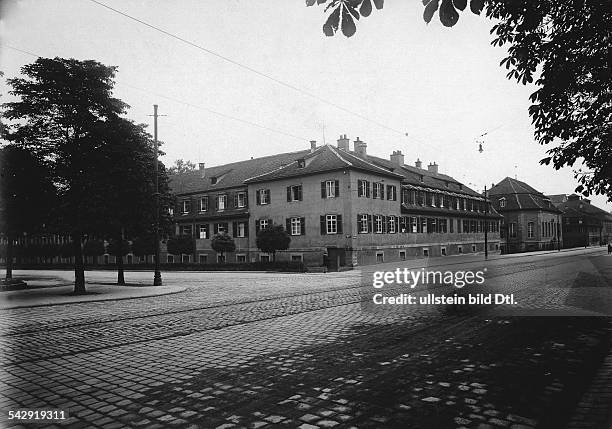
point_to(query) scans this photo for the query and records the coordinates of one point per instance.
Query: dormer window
(301, 163)
(502, 202)
(213, 180)
(421, 178)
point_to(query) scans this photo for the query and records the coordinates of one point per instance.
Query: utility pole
(157, 279)
(486, 224)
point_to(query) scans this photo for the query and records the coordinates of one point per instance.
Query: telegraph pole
(157, 279)
(486, 224)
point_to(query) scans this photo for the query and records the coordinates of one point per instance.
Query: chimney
(343, 143)
(313, 145)
(202, 169)
(418, 163)
(397, 157)
(433, 168)
(360, 148)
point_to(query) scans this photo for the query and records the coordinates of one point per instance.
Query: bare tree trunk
(79, 268)
(120, 270)
(9, 258)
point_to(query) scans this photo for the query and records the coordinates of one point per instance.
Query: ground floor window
(170, 259)
(264, 258)
(241, 258)
(202, 259)
(473, 247)
(297, 258)
(380, 257)
(220, 259)
(460, 250)
(402, 255)
(426, 252)
(186, 259)
(443, 251)
(130, 259)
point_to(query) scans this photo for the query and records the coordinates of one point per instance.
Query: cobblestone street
(300, 350)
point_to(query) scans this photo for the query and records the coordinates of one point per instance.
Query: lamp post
(157, 279)
(486, 231)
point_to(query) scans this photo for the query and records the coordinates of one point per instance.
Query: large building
(583, 223)
(342, 208)
(531, 221)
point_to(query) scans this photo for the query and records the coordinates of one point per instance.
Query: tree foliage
(94, 248)
(143, 245)
(564, 46)
(273, 239)
(181, 245)
(222, 243)
(180, 167)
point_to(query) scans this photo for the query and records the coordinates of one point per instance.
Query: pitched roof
(324, 158)
(519, 196)
(579, 207)
(557, 198)
(231, 175)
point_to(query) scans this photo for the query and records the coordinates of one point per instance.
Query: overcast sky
(396, 75)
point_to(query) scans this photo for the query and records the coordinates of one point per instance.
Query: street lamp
(157, 279)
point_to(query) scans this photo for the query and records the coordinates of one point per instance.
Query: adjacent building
(531, 221)
(583, 223)
(342, 208)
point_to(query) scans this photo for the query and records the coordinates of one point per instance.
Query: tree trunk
(9, 258)
(79, 268)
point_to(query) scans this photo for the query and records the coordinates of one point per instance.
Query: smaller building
(583, 223)
(531, 220)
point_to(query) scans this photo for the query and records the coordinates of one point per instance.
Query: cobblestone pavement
(299, 350)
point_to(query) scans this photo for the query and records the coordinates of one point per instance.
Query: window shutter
(384, 224)
(246, 200)
(367, 184)
(369, 223)
(359, 188)
(337, 188)
(288, 193)
(269, 196)
(323, 193)
(359, 231)
(258, 197)
(216, 202)
(300, 193)
(396, 220)
(235, 229)
(256, 226)
(382, 192)
(339, 228)
(302, 226)
(236, 200)
(288, 225)
(323, 228)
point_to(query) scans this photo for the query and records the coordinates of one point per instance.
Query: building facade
(531, 222)
(341, 207)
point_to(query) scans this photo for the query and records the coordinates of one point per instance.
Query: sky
(264, 79)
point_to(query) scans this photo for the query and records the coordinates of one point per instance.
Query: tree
(63, 105)
(565, 47)
(93, 248)
(272, 239)
(143, 245)
(181, 167)
(222, 243)
(26, 197)
(181, 245)
(119, 248)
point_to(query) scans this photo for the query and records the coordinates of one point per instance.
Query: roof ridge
(312, 154)
(338, 155)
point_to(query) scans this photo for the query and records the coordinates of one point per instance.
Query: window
(529, 229)
(202, 259)
(185, 259)
(185, 230)
(460, 250)
(295, 226)
(332, 224)
(363, 188)
(221, 202)
(330, 189)
(240, 199)
(297, 257)
(220, 259)
(391, 228)
(240, 229)
(241, 258)
(378, 190)
(502, 202)
(264, 223)
(262, 196)
(203, 204)
(170, 259)
(391, 192)
(221, 228)
(402, 255)
(443, 251)
(512, 228)
(426, 253)
(301, 163)
(186, 206)
(380, 257)
(364, 224)
(203, 231)
(433, 199)
(130, 259)
(378, 224)
(473, 247)
(294, 193)
(415, 221)
(264, 258)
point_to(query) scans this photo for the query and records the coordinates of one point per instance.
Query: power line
(224, 115)
(248, 68)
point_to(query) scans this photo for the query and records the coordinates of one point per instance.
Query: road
(301, 350)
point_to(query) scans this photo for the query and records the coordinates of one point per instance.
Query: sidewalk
(47, 291)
